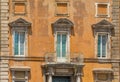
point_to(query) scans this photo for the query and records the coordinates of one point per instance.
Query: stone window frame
(103, 26)
(20, 25)
(26, 41)
(108, 45)
(18, 79)
(107, 71)
(24, 69)
(63, 25)
(64, 2)
(67, 47)
(19, 2)
(108, 10)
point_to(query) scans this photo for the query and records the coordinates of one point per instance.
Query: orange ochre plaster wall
(41, 13)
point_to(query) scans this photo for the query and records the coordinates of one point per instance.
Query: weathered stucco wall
(41, 13)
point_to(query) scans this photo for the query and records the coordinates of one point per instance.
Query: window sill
(102, 16)
(19, 13)
(62, 14)
(20, 57)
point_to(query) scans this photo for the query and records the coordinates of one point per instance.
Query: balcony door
(61, 79)
(62, 46)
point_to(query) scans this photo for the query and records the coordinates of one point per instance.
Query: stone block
(4, 25)
(5, 7)
(4, 66)
(4, 80)
(4, 49)
(2, 1)
(4, 45)
(5, 42)
(4, 38)
(4, 69)
(4, 53)
(5, 77)
(4, 35)
(4, 14)
(5, 21)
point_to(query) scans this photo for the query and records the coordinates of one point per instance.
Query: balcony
(71, 58)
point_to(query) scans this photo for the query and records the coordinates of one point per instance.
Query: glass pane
(104, 41)
(98, 44)
(22, 41)
(58, 44)
(16, 41)
(64, 45)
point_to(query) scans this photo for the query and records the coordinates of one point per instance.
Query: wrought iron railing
(74, 58)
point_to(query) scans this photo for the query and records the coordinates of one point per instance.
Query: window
(19, 43)
(62, 8)
(19, 31)
(103, 74)
(62, 29)
(102, 44)
(103, 77)
(19, 8)
(102, 10)
(62, 46)
(20, 76)
(103, 31)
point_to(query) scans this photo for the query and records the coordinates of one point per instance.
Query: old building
(59, 40)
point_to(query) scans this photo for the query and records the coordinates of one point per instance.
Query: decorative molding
(20, 23)
(62, 24)
(103, 26)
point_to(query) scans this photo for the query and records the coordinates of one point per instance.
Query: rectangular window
(20, 76)
(102, 45)
(102, 76)
(61, 8)
(19, 43)
(61, 47)
(102, 9)
(19, 8)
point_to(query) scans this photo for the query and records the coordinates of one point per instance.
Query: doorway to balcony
(61, 79)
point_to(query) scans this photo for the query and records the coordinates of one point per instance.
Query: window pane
(16, 41)
(99, 44)
(22, 41)
(104, 41)
(58, 45)
(64, 45)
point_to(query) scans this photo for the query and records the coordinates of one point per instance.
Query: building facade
(59, 41)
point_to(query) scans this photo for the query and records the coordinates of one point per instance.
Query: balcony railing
(73, 58)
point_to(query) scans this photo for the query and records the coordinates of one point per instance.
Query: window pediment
(62, 24)
(19, 23)
(103, 26)
(63, 21)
